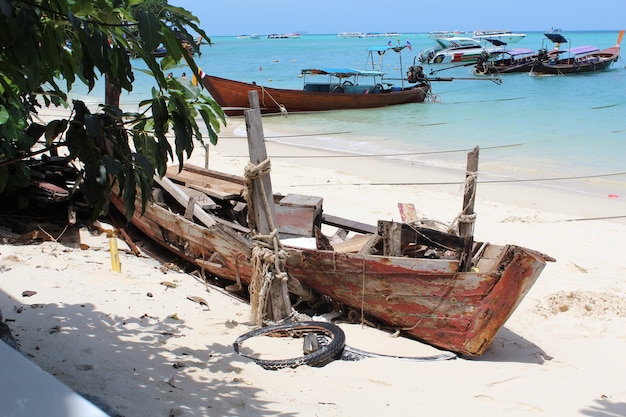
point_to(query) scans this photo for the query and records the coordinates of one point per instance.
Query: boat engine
(542, 55)
(416, 74)
(483, 58)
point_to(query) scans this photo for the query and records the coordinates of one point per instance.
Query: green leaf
(173, 45)
(150, 30)
(4, 115)
(206, 116)
(54, 129)
(82, 7)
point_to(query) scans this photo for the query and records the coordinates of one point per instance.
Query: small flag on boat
(408, 45)
(194, 80)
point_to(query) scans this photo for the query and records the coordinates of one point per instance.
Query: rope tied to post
(469, 218)
(281, 107)
(268, 256)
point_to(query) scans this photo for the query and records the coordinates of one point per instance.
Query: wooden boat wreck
(439, 287)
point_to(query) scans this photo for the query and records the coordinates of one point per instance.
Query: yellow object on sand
(115, 256)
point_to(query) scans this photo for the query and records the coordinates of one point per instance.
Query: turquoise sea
(528, 128)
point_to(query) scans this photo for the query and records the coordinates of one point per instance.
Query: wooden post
(111, 94)
(466, 222)
(258, 153)
(262, 200)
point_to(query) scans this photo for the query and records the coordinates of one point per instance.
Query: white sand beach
(143, 347)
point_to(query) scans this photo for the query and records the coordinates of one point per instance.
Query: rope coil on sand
(268, 256)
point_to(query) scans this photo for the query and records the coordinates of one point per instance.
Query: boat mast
(399, 49)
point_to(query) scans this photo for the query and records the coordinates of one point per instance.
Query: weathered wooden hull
(427, 299)
(232, 96)
(217, 249)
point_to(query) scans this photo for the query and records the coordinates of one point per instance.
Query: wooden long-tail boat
(325, 89)
(335, 94)
(577, 60)
(440, 287)
(506, 61)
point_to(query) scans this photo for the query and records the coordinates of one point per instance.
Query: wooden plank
(348, 224)
(353, 245)
(235, 179)
(218, 186)
(370, 247)
(183, 199)
(466, 222)
(201, 198)
(203, 217)
(262, 202)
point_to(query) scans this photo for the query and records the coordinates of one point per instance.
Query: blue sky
(238, 17)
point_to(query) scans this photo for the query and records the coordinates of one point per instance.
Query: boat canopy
(342, 72)
(519, 51)
(556, 37)
(580, 50)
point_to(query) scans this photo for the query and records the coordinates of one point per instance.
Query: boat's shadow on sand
(509, 346)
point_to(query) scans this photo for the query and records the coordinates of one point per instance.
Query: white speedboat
(505, 36)
(454, 50)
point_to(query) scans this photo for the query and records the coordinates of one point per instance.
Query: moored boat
(325, 89)
(283, 35)
(506, 61)
(457, 50)
(340, 91)
(505, 36)
(575, 60)
(445, 34)
(351, 34)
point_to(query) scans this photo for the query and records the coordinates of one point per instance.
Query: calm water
(527, 128)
